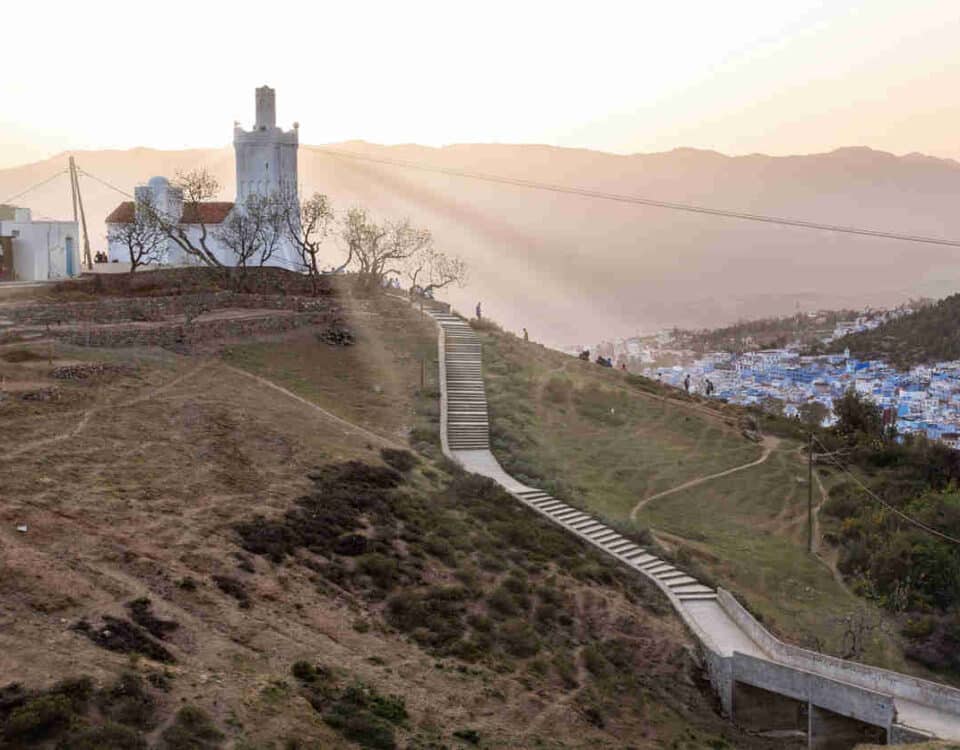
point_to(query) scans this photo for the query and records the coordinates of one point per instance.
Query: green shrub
(401, 460)
(468, 735)
(362, 727)
(128, 702)
(109, 736)
(191, 729)
(381, 569)
(42, 717)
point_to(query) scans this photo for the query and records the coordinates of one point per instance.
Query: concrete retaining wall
(841, 698)
(861, 675)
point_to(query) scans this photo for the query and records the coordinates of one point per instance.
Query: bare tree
(252, 231)
(197, 186)
(858, 628)
(143, 238)
(380, 250)
(429, 270)
(308, 226)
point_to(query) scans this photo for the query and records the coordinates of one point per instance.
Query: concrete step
(661, 567)
(693, 589)
(620, 545)
(697, 597)
(670, 574)
(684, 581)
(552, 506)
(605, 537)
(589, 528)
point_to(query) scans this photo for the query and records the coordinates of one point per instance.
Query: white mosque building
(266, 164)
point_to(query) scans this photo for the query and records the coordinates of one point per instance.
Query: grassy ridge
(606, 441)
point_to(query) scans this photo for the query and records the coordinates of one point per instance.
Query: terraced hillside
(251, 541)
(729, 509)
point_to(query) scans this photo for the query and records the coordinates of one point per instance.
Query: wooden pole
(87, 258)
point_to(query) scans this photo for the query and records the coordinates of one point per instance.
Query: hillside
(572, 269)
(653, 461)
(931, 334)
(247, 539)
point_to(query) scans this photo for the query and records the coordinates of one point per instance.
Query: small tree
(308, 226)
(143, 238)
(429, 270)
(813, 413)
(380, 250)
(252, 231)
(197, 186)
(858, 418)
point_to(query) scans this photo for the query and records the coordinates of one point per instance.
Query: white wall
(39, 250)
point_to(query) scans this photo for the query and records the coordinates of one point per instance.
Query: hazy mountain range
(574, 269)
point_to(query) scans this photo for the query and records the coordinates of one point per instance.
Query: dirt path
(87, 414)
(350, 426)
(769, 445)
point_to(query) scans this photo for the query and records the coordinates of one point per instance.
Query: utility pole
(78, 201)
(810, 496)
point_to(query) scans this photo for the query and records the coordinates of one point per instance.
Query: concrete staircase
(740, 654)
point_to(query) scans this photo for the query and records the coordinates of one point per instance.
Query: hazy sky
(738, 76)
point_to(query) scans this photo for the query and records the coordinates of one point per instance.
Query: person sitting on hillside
(585, 355)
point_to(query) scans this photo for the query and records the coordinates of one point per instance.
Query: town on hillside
(792, 381)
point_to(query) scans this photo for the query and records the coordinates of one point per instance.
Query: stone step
(620, 545)
(643, 559)
(684, 581)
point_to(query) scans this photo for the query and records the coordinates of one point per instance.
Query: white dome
(158, 183)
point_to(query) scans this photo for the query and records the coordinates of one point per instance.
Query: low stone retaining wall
(118, 309)
(181, 337)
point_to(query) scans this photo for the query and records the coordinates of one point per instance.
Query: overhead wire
(896, 511)
(34, 187)
(639, 200)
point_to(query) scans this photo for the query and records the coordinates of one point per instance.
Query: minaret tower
(267, 155)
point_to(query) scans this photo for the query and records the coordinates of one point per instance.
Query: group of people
(708, 387)
(101, 257)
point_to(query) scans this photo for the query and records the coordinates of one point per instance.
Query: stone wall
(182, 337)
(119, 309)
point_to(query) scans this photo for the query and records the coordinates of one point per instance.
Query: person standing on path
(479, 316)
(686, 383)
(526, 336)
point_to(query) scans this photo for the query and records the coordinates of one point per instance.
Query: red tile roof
(212, 212)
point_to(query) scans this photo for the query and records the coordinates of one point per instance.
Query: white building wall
(40, 248)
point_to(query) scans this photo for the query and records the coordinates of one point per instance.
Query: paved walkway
(465, 436)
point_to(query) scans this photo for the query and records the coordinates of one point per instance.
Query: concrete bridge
(764, 684)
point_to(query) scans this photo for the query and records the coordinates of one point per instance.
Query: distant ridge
(574, 270)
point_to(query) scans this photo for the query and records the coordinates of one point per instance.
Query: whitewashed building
(266, 165)
(36, 250)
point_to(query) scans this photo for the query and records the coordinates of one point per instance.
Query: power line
(103, 182)
(896, 511)
(34, 187)
(638, 200)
